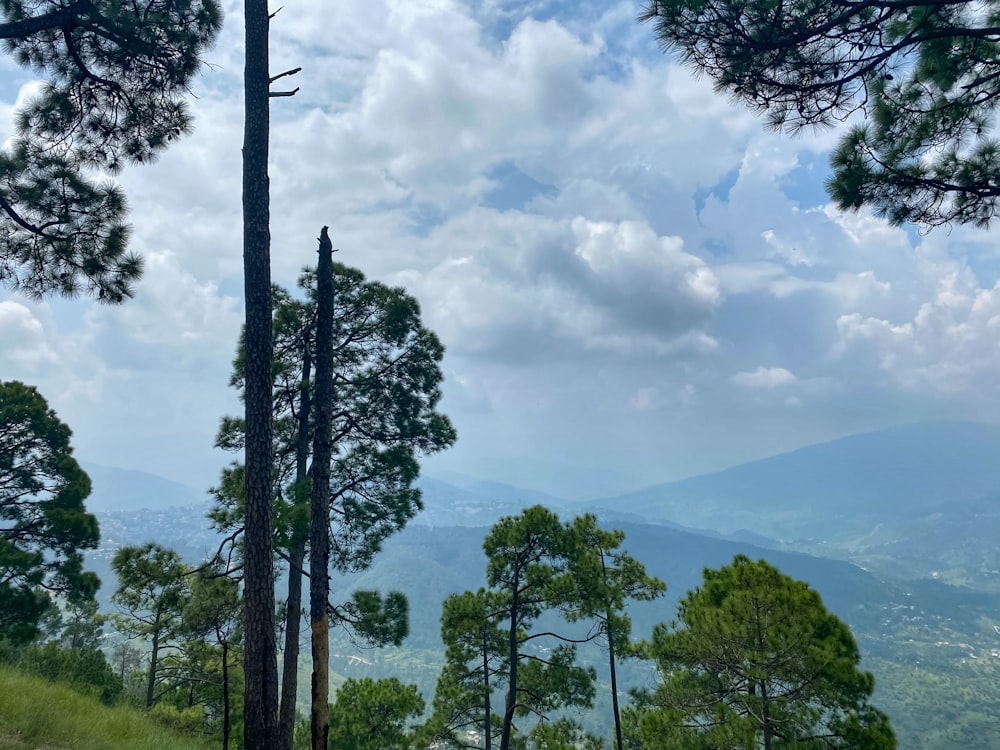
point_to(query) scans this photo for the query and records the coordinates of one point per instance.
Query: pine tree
(152, 593)
(116, 77)
(924, 74)
(492, 642)
(44, 524)
(606, 577)
(387, 376)
(755, 660)
(373, 714)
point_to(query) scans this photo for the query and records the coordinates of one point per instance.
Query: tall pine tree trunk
(487, 728)
(296, 557)
(610, 632)
(260, 659)
(614, 675)
(226, 719)
(512, 645)
(153, 658)
(319, 499)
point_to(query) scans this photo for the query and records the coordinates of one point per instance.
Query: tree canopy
(386, 387)
(373, 714)
(116, 75)
(152, 593)
(926, 75)
(387, 379)
(44, 525)
(493, 639)
(755, 660)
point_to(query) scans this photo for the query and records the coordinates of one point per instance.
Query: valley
(912, 569)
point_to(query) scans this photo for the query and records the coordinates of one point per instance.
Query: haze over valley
(895, 529)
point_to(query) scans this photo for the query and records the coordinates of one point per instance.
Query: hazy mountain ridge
(920, 637)
(115, 489)
(911, 501)
(898, 472)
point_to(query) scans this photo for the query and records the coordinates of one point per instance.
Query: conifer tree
(152, 593)
(492, 641)
(924, 74)
(213, 610)
(373, 714)
(116, 74)
(606, 578)
(387, 376)
(44, 525)
(755, 660)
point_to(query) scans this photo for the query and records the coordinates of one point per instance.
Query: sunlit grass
(38, 715)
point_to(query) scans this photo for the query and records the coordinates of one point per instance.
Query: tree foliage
(44, 525)
(755, 660)
(374, 714)
(151, 595)
(116, 74)
(925, 74)
(607, 577)
(475, 662)
(77, 625)
(493, 639)
(386, 384)
(387, 378)
(527, 570)
(211, 625)
(85, 668)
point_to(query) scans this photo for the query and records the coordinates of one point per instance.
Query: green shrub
(85, 669)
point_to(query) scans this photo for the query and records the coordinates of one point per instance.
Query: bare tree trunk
(487, 729)
(153, 658)
(319, 499)
(614, 678)
(260, 658)
(296, 557)
(609, 625)
(226, 720)
(512, 645)
(765, 712)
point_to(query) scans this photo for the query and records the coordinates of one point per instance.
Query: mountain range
(881, 525)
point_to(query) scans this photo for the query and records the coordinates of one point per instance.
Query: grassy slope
(37, 714)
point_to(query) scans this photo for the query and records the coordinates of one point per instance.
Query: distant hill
(491, 487)
(836, 488)
(463, 501)
(124, 489)
(429, 563)
(923, 633)
(919, 637)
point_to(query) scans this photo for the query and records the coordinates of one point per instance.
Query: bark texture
(261, 666)
(319, 499)
(296, 558)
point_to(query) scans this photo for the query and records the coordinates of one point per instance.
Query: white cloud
(23, 339)
(950, 345)
(542, 288)
(177, 312)
(764, 377)
(670, 241)
(645, 399)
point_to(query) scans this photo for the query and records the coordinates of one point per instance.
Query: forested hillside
(920, 636)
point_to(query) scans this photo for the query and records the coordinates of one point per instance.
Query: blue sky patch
(514, 189)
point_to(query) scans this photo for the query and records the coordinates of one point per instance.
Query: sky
(635, 281)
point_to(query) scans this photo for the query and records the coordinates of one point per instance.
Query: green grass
(39, 715)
